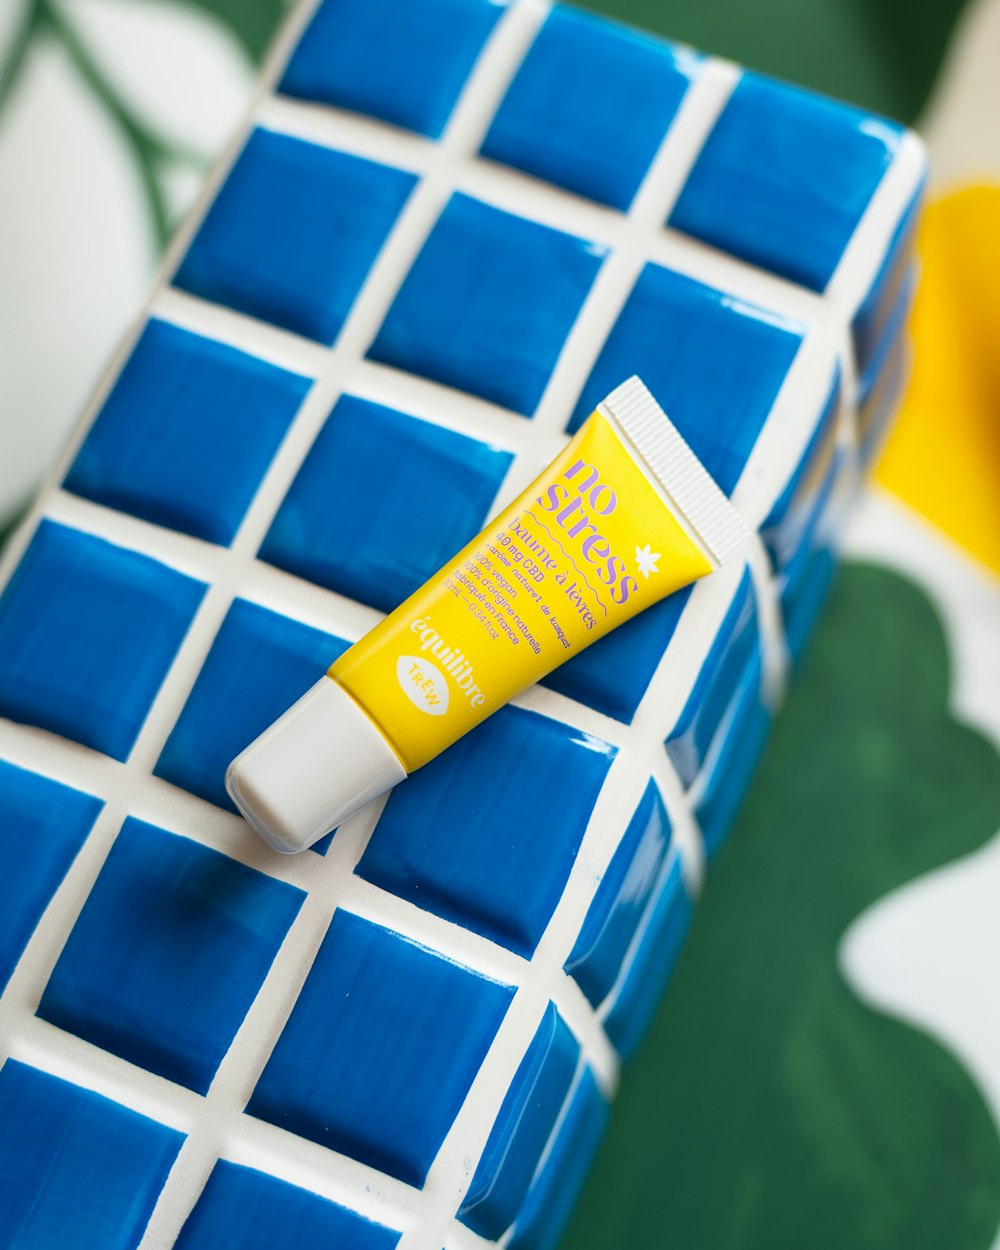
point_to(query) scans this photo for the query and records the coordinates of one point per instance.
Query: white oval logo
(423, 683)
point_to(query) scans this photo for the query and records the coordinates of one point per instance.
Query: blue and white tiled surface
(450, 228)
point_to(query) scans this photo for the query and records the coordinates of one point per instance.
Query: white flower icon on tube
(646, 560)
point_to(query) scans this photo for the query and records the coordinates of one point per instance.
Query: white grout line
(476, 106)
(69, 1058)
(60, 759)
(368, 379)
(848, 415)
(863, 256)
(344, 131)
(443, 405)
(260, 339)
(670, 686)
(307, 602)
(785, 436)
(306, 1165)
(462, 1238)
(582, 1020)
(24, 989)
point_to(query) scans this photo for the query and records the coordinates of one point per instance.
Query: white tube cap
(315, 766)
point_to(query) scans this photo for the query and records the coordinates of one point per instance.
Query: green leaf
(253, 21)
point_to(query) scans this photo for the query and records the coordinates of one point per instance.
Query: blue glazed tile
(651, 966)
(894, 332)
(727, 659)
(488, 304)
(882, 402)
(880, 385)
(293, 232)
(784, 178)
(590, 106)
(227, 708)
(343, 521)
(621, 899)
(187, 434)
(522, 1129)
(788, 521)
(402, 62)
(168, 953)
(797, 557)
(553, 1195)
(87, 633)
(612, 675)
(461, 836)
(878, 308)
(713, 362)
(374, 1075)
(802, 599)
(75, 1169)
(733, 768)
(243, 1209)
(42, 826)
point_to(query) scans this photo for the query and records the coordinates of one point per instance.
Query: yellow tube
(623, 516)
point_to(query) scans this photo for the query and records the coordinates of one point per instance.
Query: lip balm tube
(623, 516)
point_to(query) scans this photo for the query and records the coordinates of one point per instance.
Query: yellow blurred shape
(943, 455)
